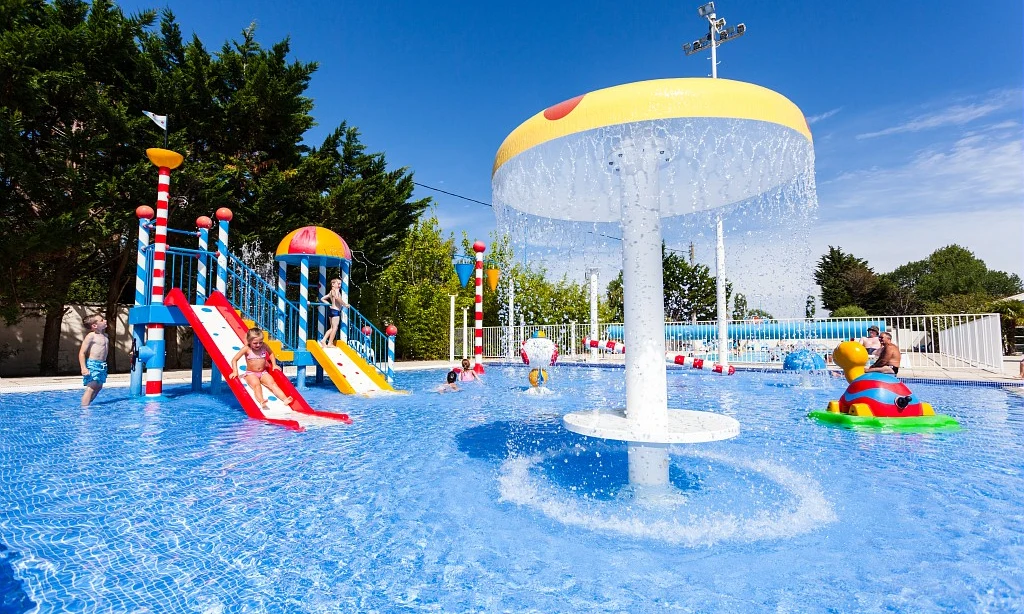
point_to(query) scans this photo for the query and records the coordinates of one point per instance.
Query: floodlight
(687, 48)
(740, 29)
(707, 9)
(720, 23)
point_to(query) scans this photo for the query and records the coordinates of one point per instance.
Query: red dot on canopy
(479, 247)
(562, 109)
(144, 212)
(224, 214)
(204, 222)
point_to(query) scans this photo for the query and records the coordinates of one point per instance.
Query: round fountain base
(682, 426)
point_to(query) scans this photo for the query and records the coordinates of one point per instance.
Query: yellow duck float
(877, 399)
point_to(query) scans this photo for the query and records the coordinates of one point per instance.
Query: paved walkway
(1009, 376)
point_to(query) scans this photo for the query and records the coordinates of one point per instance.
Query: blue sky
(916, 107)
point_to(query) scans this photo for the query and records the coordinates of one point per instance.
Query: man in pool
(888, 360)
(871, 342)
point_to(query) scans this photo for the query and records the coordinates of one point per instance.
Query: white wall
(26, 337)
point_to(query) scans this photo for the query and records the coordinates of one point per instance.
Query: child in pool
(467, 374)
(259, 362)
(92, 358)
(450, 385)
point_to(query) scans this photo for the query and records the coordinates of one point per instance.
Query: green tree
(849, 311)
(809, 307)
(891, 297)
(412, 292)
(72, 78)
(959, 303)
(615, 299)
(951, 270)
(999, 284)
(689, 290)
(844, 279)
(760, 313)
(1011, 315)
(739, 307)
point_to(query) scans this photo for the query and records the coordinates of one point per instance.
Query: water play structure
(220, 297)
(538, 352)
(877, 399)
(629, 156)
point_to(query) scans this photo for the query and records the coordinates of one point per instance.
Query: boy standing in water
(93, 358)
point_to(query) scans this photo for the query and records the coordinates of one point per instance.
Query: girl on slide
(259, 362)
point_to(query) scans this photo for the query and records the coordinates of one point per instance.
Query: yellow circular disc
(164, 157)
(653, 100)
(697, 144)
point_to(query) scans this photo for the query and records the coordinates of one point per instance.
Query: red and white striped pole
(164, 160)
(478, 330)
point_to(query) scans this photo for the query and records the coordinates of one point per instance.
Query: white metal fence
(955, 341)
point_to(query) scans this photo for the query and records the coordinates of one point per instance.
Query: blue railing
(258, 300)
(181, 268)
(373, 347)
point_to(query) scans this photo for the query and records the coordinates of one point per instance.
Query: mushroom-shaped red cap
(391, 331)
(479, 247)
(204, 222)
(366, 330)
(224, 214)
(144, 212)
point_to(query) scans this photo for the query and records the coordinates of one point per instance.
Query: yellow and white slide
(347, 369)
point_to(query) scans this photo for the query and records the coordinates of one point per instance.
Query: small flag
(159, 120)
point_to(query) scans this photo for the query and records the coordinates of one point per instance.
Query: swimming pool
(481, 501)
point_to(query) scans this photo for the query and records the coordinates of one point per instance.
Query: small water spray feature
(623, 159)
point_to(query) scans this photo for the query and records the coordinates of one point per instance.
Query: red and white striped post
(164, 160)
(478, 331)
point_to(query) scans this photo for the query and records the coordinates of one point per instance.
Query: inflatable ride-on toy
(877, 399)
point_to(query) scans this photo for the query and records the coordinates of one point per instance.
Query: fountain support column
(593, 312)
(644, 310)
(723, 305)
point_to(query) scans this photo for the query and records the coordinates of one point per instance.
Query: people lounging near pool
(871, 342)
(467, 374)
(92, 358)
(450, 384)
(888, 357)
(259, 362)
(333, 297)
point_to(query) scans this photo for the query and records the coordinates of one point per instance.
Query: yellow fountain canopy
(320, 245)
(720, 142)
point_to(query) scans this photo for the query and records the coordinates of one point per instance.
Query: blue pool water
(481, 501)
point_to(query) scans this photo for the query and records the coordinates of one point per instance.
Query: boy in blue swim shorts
(93, 358)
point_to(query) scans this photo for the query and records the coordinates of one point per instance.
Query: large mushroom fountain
(632, 155)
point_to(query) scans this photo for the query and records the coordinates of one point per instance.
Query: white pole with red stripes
(164, 160)
(478, 332)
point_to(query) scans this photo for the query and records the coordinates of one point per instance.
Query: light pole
(717, 34)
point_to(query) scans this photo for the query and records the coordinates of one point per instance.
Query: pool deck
(1008, 377)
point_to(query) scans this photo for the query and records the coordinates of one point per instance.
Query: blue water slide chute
(797, 329)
